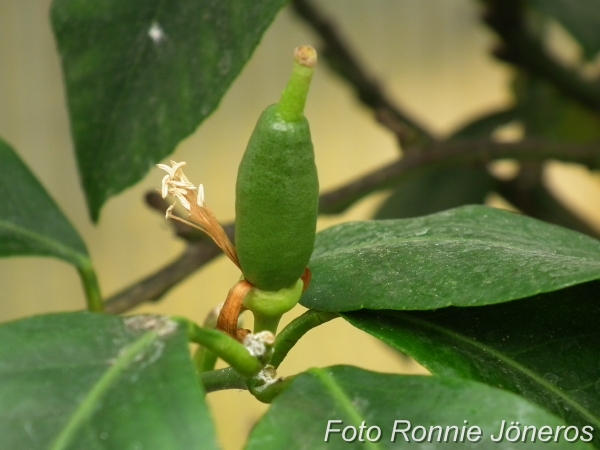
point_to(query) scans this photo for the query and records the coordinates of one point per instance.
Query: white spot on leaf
(163, 326)
(156, 33)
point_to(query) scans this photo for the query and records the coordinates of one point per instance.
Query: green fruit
(277, 191)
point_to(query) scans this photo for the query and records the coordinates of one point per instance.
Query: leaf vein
(514, 364)
(86, 408)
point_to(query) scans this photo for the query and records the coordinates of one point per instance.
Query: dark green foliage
(298, 418)
(30, 221)
(469, 256)
(141, 75)
(544, 348)
(90, 381)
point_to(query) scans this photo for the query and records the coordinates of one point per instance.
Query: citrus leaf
(544, 348)
(546, 112)
(299, 417)
(581, 18)
(435, 190)
(91, 381)
(469, 256)
(30, 221)
(485, 125)
(141, 75)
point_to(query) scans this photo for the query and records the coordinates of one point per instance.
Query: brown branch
(522, 48)
(452, 154)
(343, 61)
(157, 284)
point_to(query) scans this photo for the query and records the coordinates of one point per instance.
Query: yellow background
(432, 57)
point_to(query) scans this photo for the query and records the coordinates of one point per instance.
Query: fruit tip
(306, 55)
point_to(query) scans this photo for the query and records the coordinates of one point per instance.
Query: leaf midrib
(86, 408)
(490, 350)
(55, 246)
(342, 400)
(553, 342)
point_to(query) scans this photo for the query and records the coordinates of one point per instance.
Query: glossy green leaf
(485, 125)
(544, 348)
(299, 418)
(469, 256)
(580, 17)
(141, 75)
(436, 190)
(30, 221)
(91, 381)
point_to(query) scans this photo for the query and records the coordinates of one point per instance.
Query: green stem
(297, 328)
(293, 98)
(222, 379)
(91, 287)
(224, 346)
(265, 323)
(268, 306)
(204, 360)
(268, 393)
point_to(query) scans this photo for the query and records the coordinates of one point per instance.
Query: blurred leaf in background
(579, 17)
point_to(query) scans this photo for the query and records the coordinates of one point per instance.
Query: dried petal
(169, 211)
(200, 196)
(165, 186)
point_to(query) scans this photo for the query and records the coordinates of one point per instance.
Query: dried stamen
(176, 184)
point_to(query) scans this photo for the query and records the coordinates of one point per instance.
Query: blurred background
(432, 57)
